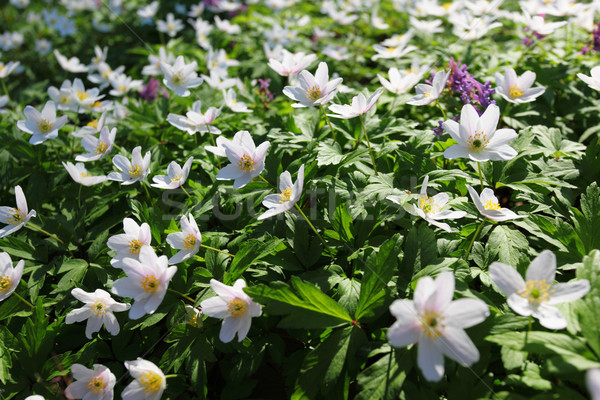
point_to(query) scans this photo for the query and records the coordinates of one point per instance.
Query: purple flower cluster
(150, 91)
(595, 45)
(263, 86)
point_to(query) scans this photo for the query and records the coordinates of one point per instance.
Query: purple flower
(150, 91)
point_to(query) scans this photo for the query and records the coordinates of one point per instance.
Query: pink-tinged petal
(424, 289)
(261, 152)
(400, 335)
(137, 310)
(520, 305)
(457, 345)
(285, 181)
(444, 291)
(489, 120)
(244, 326)
(223, 290)
(506, 278)
(543, 267)
(456, 151)
(242, 181)
(111, 323)
(130, 227)
(154, 301)
(121, 162)
(430, 359)
(465, 313)
(569, 291)
(215, 307)
(499, 80)
(510, 78)
(125, 287)
(550, 317)
(404, 311)
(181, 256)
(533, 93)
(230, 171)
(80, 372)
(229, 328)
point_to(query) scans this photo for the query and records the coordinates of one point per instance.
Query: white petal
(543, 267)
(506, 278)
(457, 345)
(569, 291)
(464, 313)
(430, 360)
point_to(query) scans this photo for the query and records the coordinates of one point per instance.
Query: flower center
(100, 148)
(65, 98)
(427, 94)
(314, 93)
(189, 242)
(96, 104)
(96, 385)
(122, 88)
(85, 175)
(195, 321)
(170, 27)
(4, 283)
(478, 141)
(178, 78)
(536, 291)
(135, 171)
(492, 205)
(150, 284)
(515, 92)
(236, 307)
(93, 123)
(432, 324)
(44, 125)
(135, 246)
(176, 178)
(82, 95)
(285, 195)
(17, 217)
(428, 205)
(151, 382)
(2, 67)
(246, 163)
(98, 307)
(106, 73)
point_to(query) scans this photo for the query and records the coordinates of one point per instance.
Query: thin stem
(220, 251)
(29, 224)
(147, 192)
(328, 121)
(185, 191)
(188, 298)
(505, 111)
(212, 139)
(437, 103)
(473, 240)
(315, 230)
(264, 180)
(480, 176)
(18, 296)
(5, 88)
(171, 376)
(362, 123)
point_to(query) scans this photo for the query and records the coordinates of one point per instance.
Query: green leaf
(380, 267)
(540, 342)
(384, 379)
(510, 244)
(309, 308)
(587, 221)
(248, 254)
(588, 308)
(342, 223)
(327, 154)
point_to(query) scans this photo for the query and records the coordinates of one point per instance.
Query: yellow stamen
(135, 246)
(106, 73)
(492, 205)
(100, 148)
(85, 175)
(44, 125)
(178, 78)
(246, 163)
(236, 307)
(515, 92)
(122, 88)
(536, 291)
(16, 218)
(428, 205)
(432, 324)
(314, 93)
(96, 385)
(4, 283)
(93, 123)
(98, 307)
(81, 95)
(285, 195)
(478, 141)
(189, 242)
(427, 94)
(176, 178)
(135, 171)
(151, 382)
(96, 104)
(150, 284)
(65, 98)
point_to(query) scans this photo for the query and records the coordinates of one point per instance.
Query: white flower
(154, 67)
(175, 177)
(16, 218)
(219, 61)
(219, 149)
(234, 306)
(430, 208)
(146, 282)
(290, 194)
(437, 324)
(517, 89)
(226, 26)
(217, 81)
(98, 148)
(101, 54)
(96, 384)
(43, 46)
(593, 81)
(467, 27)
(400, 81)
(180, 77)
(131, 171)
(537, 295)
(63, 96)
(170, 26)
(122, 84)
(80, 174)
(188, 241)
(432, 26)
(360, 105)
(149, 11)
(3, 102)
(9, 276)
(247, 160)
(313, 90)
(427, 94)
(488, 206)
(194, 316)
(42, 126)
(98, 311)
(477, 136)
(84, 99)
(377, 21)
(538, 25)
(398, 51)
(592, 380)
(195, 120)
(71, 65)
(338, 53)
(6, 69)
(149, 381)
(93, 127)
(130, 243)
(291, 63)
(232, 102)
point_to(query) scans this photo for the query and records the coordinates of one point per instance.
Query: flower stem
(147, 192)
(5, 89)
(437, 103)
(315, 230)
(473, 240)
(37, 228)
(212, 139)
(220, 251)
(362, 123)
(188, 298)
(264, 180)
(18, 296)
(328, 121)
(171, 376)
(185, 191)
(505, 111)
(480, 176)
